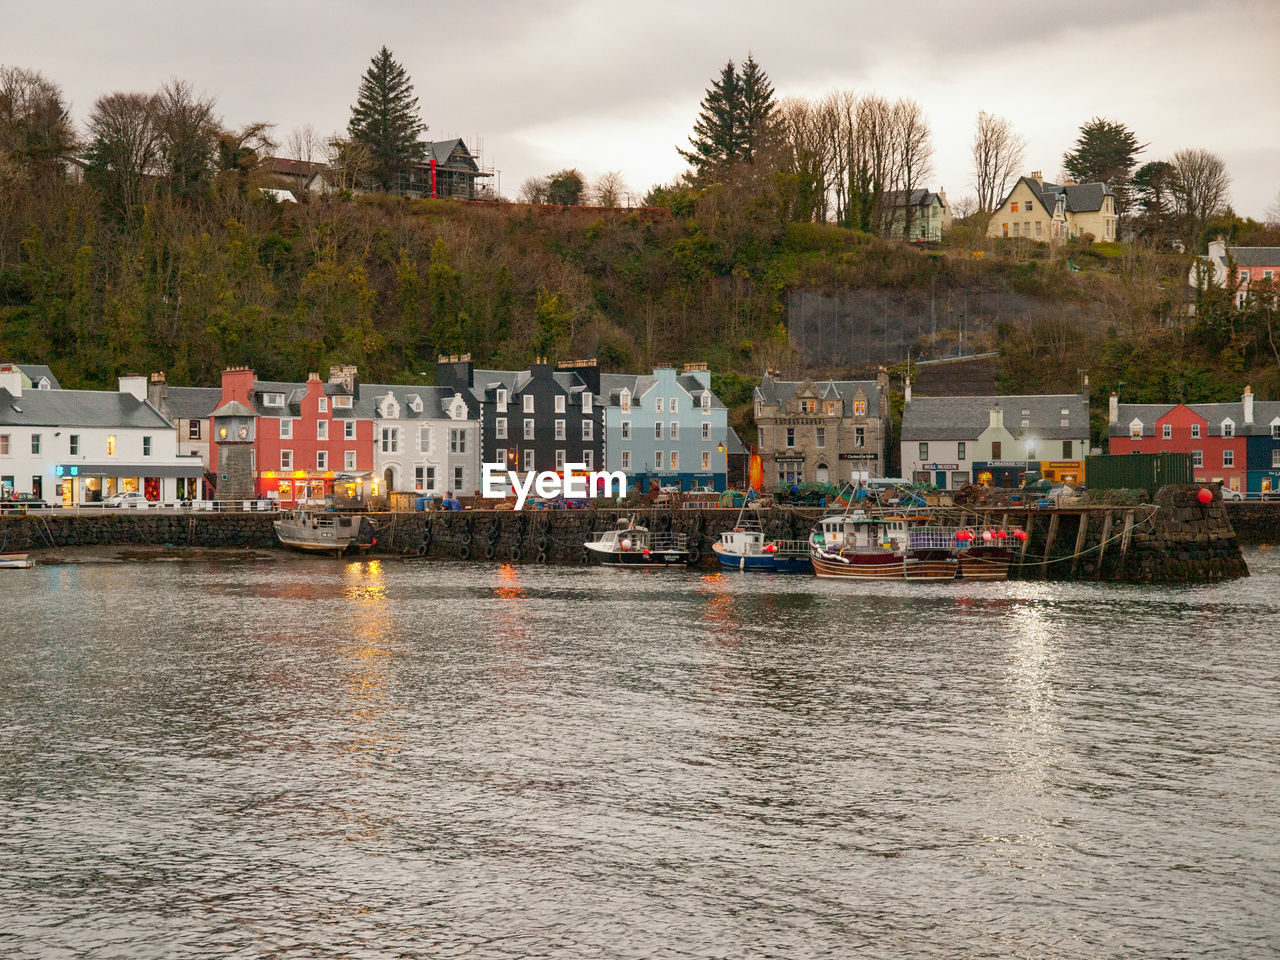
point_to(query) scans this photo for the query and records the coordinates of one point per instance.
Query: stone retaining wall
(1256, 522)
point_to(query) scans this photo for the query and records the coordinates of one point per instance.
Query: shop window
(111, 445)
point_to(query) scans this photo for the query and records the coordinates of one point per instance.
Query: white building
(425, 439)
(80, 446)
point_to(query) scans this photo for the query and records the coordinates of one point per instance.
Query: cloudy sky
(604, 85)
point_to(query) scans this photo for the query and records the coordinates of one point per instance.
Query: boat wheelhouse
(746, 547)
(325, 532)
(631, 545)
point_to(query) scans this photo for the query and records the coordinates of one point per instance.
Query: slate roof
(434, 401)
(919, 198)
(965, 418)
(1081, 197)
(771, 391)
(78, 408)
(192, 403)
(1264, 411)
(34, 371)
(1250, 257)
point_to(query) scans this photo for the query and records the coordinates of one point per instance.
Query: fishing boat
(16, 561)
(985, 557)
(746, 547)
(865, 546)
(631, 545)
(325, 532)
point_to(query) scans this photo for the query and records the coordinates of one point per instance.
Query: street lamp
(1029, 455)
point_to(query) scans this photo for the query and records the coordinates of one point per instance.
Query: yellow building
(1050, 212)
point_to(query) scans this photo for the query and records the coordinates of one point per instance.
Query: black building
(535, 419)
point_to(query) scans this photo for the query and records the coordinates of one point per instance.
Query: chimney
(997, 417)
(455, 371)
(11, 379)
(1084, 388)
(906, 391)
(1247, 400)
(1037, 176)
(346, 376)
(237, 384)
(1113, 409)
(158, 393)
(135, 385)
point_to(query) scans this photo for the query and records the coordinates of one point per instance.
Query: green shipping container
(1137, 471)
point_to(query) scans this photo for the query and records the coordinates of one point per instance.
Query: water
(303, 758)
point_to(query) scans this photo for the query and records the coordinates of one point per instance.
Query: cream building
(1050, 212)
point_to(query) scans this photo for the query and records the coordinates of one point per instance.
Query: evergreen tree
(385, 120)
(1106, 152)
(758, 108)
(717, 139)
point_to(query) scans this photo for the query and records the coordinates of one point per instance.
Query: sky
(603, 85)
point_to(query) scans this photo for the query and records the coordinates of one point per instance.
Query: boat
(865, 546)
(325, 532)
(16, 561)
(746, 547)
(631, 545)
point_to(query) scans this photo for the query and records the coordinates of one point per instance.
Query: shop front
(81, 483)
(1009, 474)
(1063, 471)
(296, 487)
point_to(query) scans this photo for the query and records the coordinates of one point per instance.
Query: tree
(1200, 183)
(998, 151)
(1273, 213)
(241, 151)
(1105, 151)
(567, 188)
(1153, 190)
(124, 147)
(188, 138)
(534, 190)
(385, 120)
(718, 131)
(914, 151)
(609, 189)
(758, 109)
(35, 129)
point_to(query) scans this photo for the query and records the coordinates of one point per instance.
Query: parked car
(28, 500)
(132, 499)
(1229, 494)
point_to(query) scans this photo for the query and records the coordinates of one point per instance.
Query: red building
(307, 438)
(1210, 432)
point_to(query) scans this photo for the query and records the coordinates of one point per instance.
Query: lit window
(706, 461)
(675, 459)
(111, 445)
(859, 408)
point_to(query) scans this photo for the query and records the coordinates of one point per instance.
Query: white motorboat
(325, 532)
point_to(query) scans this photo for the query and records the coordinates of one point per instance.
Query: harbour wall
(1176, 540)
(1255, 523)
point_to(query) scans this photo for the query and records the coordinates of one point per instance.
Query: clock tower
(233, 432)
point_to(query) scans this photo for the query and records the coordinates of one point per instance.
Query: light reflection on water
(428, 759)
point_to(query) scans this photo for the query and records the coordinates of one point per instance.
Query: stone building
(826, 430)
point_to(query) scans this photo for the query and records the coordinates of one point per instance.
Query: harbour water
(301, 757)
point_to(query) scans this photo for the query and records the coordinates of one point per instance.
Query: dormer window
(706, 402)
(586, 401)
(1228, 428)
(273, 399)
(1275, 429)
(859, 408)
(415, 403)
(624, 400)
(808, 406)
(44, 384)
(502, 401)
(341, 403)
(1135, 430)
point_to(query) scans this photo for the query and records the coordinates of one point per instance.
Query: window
(4, 444)
(193, 429)
(75, 445)
(342, 403)
(560, 461)
(1275, 431)
(457, 479)
(429, 484)
(528, 403)
(706, 431)
(808, 406)
(500, 456)
(559, 429)
(657, 430)
(1013, 207)
(588, 459)
(1028, 207)
(146, 445)
(1066, 449)
(286, 459)
(675, 431)
(924, 451)
(831, 408)
(322, 429)
(1135, 430)
(675, 404)
(586, 401)
(349, 460)
(528, 429)
(458, 441)
(820, 436)
(1006, 229)
(657, 404)
(859, 408)
(1228, 428)
(1166, 431)
(675, 459)
(658, 460)
(1195, 431)
(286, 429)
(995, 449)
(322, 460)
(587, 430)
(323, 406)
(706, 460)
(960, 451)
(1228, 458)
(501, 397)
(273, 399)
(1015, 229)
(424, 439)
(1268, 274)
(500, 428)
(1037, 229)
(111, 445)
(417, 478)
(626, 459)
(791, 436)
(1275, 459)
(859, 437)
(528, 461)
(706, 401)
(560, 404)
(349, 430)
(626, 429)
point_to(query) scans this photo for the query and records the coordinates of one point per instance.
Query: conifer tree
(1105, 151)
(758, 109)
(385, 120)
(717, 133)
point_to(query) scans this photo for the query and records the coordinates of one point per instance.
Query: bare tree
(1200, 185)
(303, 144)
(35, 130)
(535, 190)
(350, 160)
(189, 131)
(124, 146)
(608, 189)
(913, 152)
(998, 151)
(1273, 212)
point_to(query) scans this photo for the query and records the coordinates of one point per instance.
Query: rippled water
(305, 758)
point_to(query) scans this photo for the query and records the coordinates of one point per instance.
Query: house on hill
(930, 214)
(1252, 266)
(1037, 210)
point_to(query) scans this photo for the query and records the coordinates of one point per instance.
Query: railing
(158, 506)
(933, 538)
(663, 541)
(792, 548)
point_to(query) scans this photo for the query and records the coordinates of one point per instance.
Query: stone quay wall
(1177, 540)
(1256, 522)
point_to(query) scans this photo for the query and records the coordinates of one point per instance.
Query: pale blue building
(667, 426)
